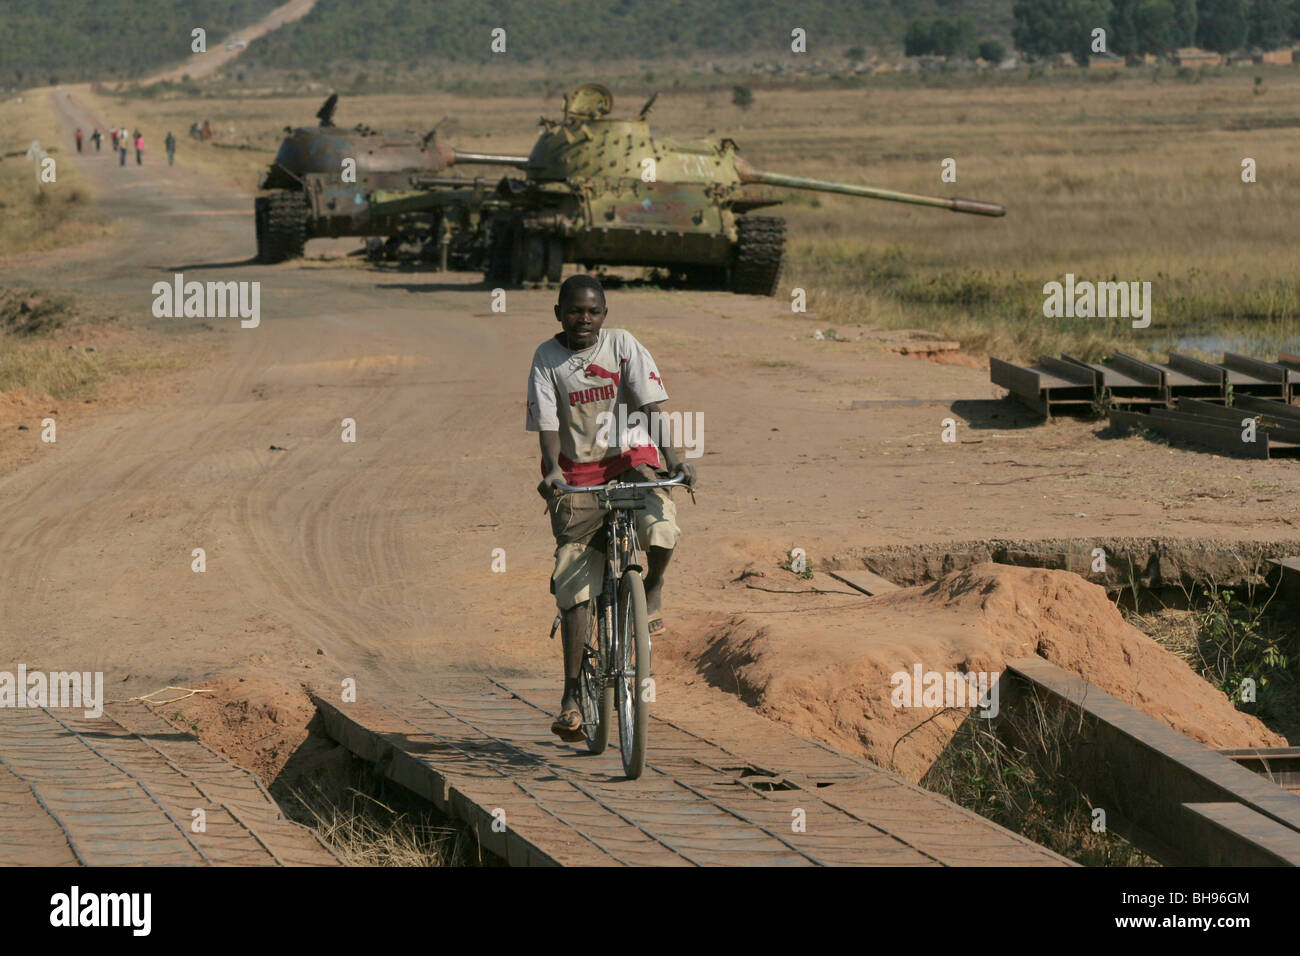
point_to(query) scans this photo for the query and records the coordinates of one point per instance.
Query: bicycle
(620, 656)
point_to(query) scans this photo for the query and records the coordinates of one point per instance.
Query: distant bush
(940, 36)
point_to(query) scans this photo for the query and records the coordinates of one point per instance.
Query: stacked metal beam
(1240, 406)
(1070, 384)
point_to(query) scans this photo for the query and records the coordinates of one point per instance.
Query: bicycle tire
(630, 685)
(594, 697)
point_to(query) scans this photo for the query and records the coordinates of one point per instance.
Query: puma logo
(595, 371)
(655, 377)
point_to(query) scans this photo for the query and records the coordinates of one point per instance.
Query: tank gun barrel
(488, 159)
(748, 174)
(432, 182)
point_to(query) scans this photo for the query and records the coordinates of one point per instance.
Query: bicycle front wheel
(633, 682)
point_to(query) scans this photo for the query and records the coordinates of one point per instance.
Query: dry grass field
(1135, 177)
(32, 218)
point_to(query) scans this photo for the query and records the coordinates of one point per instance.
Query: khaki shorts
(577, 521)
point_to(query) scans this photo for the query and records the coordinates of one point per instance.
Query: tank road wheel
(259, 225)
(704, 277)
(505, 259)
(760, 245)
(554, 259)
(534, 246)
(286, 226)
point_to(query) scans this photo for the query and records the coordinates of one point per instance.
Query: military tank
(306, 197)
(602, 191)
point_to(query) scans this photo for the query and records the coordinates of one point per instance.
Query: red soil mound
(827, 674)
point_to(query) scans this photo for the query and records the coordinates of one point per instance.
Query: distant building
(1105, 61)
(1286, 56)
(1192, 56)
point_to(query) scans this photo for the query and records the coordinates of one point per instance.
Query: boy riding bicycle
(579, 379)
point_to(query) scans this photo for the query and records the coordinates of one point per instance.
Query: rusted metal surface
(1050, 386)
(1283, 427)
(1144, 773)
(1214, 426)
(1125, 380)
(1250, 376)
(1068, 383)
(1230, 834)
(121, 790)
(481, 749)
(1279, 413)
(1198, 379)
(1279, 764)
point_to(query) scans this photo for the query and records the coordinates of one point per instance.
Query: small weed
(1236, 645)
(788, 565)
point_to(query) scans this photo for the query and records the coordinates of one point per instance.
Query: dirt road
(374, 559)
(217, 56)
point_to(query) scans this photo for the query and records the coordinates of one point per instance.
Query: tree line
(47, 42)
(402, 33)
(1044, 27)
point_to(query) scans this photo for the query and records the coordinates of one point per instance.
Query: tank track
(284, 235)
(259, 225)
(760, 246)
(502, 270)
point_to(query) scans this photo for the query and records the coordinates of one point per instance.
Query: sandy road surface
(379, 553)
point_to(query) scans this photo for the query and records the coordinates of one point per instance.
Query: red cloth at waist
(587, 473)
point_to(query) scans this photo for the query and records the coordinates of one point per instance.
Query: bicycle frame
(622, 551)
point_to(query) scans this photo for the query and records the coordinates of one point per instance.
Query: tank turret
(322, 179)
(603, 191)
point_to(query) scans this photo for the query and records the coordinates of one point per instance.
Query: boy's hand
(547, 486)
(676, 466)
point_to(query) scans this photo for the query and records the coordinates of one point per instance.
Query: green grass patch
(1012, 770)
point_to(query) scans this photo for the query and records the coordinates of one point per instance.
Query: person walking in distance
(170, 143)
(122, 143)
(139, 148)
(97, 138)
(78, 139)
(113, 136)
(578, 380)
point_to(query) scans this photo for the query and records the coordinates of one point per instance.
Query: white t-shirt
(579, 394)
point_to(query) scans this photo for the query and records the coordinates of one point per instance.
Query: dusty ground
(373, 560)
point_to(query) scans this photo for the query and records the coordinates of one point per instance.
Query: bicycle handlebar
(632, 485)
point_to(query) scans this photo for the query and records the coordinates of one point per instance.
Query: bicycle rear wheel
(596, 699)
(633, 673)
